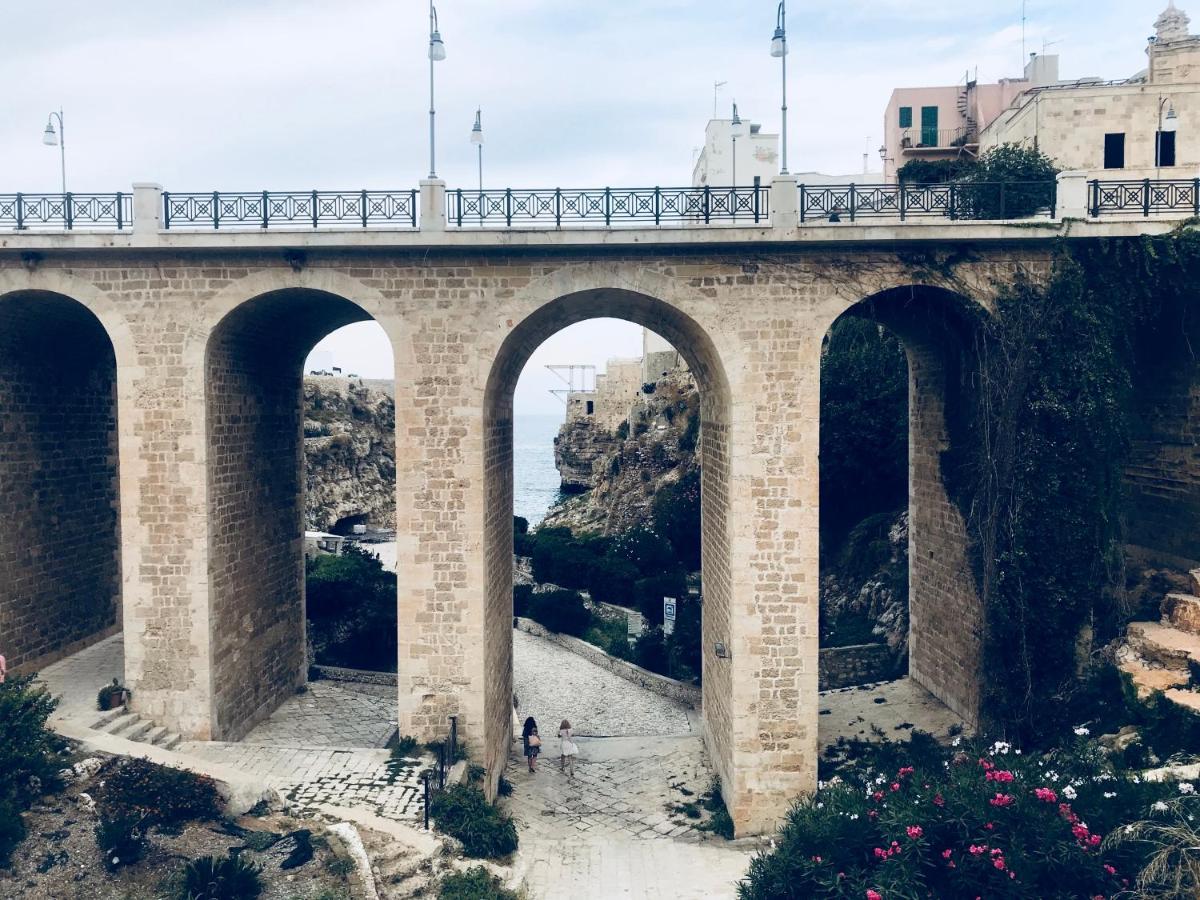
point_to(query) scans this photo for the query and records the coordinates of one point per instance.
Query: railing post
(953, 208)
(785, 214)
(425, 780)
(707, 200)
(433, 204)
(558, 207)
(803, 202)
(607, 207)
(903, 201)
(508, 207)
(1196, 197)
(1096, 197)
(458, 208)
(120, 210)
(20, 211)
(657, 205)
(412, 207)
(1071, 195)
(757, 188)
(166, 209)
(363, 197)
(853, 201)
(67, 204)
(1146, 198)
(216, 217)
(453, 739)
(314, 209)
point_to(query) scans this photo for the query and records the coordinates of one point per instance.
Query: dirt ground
(59, 858)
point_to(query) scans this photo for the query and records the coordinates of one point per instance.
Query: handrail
(309, 209)
(1145, 197)
(69, 211)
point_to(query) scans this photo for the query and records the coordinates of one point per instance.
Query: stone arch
(698, 348)
(253, 365)
(937, 328)
(60, 568)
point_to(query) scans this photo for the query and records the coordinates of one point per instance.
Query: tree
(1009, 182)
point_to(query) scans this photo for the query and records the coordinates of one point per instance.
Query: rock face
(349, 454)
(656, 447)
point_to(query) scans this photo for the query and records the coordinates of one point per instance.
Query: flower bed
(964, 822)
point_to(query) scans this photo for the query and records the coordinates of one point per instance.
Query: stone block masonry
(209, 333)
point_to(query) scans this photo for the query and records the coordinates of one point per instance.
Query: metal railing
(310, 209)
(967, 201)
(70, 211)
(434, 779)
(925, 138)
(1145, 197)
(749, 204)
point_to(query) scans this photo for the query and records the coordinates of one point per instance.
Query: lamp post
(477, 140)
(437, 52)
(779, 49)
(883, 159)
(734, 124)
(1168, 123)
(50, 138)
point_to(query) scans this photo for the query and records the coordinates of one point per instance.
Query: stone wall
(60, 570)
(856, 664)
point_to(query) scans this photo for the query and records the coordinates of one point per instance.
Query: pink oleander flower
(977, 849)
(874, 895)
(1001, 775)
(1045, 795)
(947, 853)
(905, 770)
(1109, 869)
(1001, 800)
(989, 826)
(938, 800)
(877, 796)
(998, 862)
(895, 785)
(914, 831)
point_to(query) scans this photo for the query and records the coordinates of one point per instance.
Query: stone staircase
(399, 871)
(1165, 655)
(124, 723)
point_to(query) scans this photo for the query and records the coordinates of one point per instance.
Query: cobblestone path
(553, 684)
(330, 714)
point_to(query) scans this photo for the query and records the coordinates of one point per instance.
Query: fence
(70, 212)
(1145, 197)
(311, 209)
(704, 205)
(968, 201)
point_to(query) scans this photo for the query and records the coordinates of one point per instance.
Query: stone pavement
(890, 709)
(553, 684)
(329, 714)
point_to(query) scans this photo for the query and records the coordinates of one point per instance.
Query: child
(533, 743)
(569, 749)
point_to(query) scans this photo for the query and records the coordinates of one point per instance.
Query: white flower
(1108, 795)
(1001, 747)
(822, 805)
(1017, 752)
(1136, 780)
(853, 816)
(956, 742)
(1069, 792)
(1082, 731)
(1159, 806)
(1186, 787)
(1129, 829)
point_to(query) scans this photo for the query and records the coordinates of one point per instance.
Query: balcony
(921, 141)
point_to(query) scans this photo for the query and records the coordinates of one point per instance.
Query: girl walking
(532, 743)
(569, 749)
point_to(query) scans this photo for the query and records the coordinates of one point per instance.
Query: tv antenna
(1023, 58)
(717, 85)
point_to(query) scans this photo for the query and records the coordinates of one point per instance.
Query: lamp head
(1171, 120)
(735, 121)
(437, 50)
(883, 153)
(477, 128)
(50, 136)
(779, 46)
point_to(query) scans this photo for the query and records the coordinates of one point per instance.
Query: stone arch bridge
(151, 452)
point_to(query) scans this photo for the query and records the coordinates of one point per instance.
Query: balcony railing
(1145, 197)
(70, 212)
(955, 201)
(608, 206)
(915, 139)
(304, 209)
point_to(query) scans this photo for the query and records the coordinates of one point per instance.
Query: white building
(740, 148)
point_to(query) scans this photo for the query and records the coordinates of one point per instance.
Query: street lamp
(734, 123)
(883, 158)
(1169, 122)
(477, 140)
(50, 138)
(437, 52)
(779, 49)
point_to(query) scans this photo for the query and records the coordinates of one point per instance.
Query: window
(1114, 151)
(1165, 152)
(591, 407)
(929, 126)
(906, 117)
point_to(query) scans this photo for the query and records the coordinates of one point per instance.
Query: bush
(562, 612)
(473, 884)
(462, 812)
(934, 171)
(30, 754)
(121, 837)
(220, 878)
(649, 593)
(351, 610)
(1008, 182)
(107, 693)
(651, 554)
(522, 593)
(977, 821)
(12, 831)
(612, 581)
(137, 790)
(676, 511)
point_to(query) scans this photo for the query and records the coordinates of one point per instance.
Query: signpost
(669, 615)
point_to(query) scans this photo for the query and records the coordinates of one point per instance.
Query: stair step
(154, 736)
(1182, 611)
(122, 722)
(171, 741)
(139, 731)
(108, 718)
(1188, 699)
(1147, 680)
(1164, 645)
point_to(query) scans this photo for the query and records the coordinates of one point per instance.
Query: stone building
(1135, 128)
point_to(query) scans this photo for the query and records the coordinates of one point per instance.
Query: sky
(297, 94)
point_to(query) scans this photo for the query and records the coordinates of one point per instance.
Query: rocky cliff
(623, 472)
(349, 453)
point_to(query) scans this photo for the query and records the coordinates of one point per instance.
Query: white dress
(569, 747)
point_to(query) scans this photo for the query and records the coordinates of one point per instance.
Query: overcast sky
(297, 94)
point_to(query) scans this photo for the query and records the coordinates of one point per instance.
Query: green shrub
(623, 430)
(121, 837)
(612, 581)
(520, 525)
(12, 831)
(521, 597)
(649, 593)
(107, 693)
(1008, 182)
(1172, 836)
(220, 878)
(720, 822)
(30, 754)
(978, 820)
(650, 553)
(562, 612)
(462, 812)
(473, 884)
(351, 610)
(935, 171)
(137, 790)
(676, 511)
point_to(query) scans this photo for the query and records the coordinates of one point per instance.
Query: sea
(535, 480)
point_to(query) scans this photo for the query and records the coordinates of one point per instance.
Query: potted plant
(112, 695)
